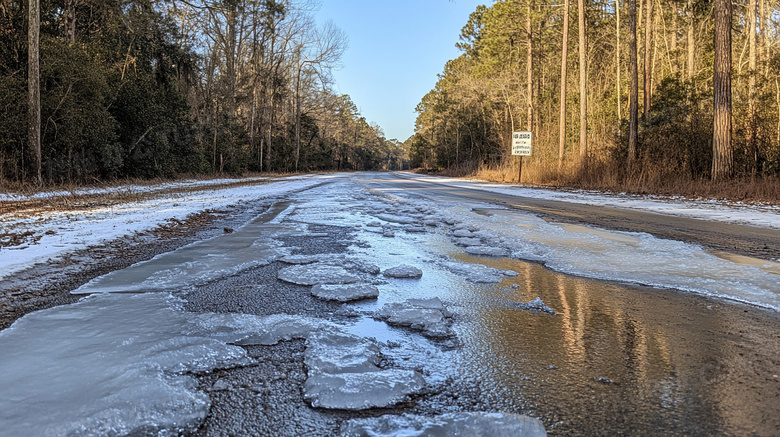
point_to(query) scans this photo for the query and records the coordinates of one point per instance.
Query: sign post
(521, 146)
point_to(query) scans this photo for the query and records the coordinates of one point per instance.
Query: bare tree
(722, 153)
(319, 51)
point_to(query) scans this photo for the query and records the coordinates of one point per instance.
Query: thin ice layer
(107, 365)
(445, 425)
(197, 263)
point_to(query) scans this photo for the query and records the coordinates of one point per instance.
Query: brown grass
(602, 177)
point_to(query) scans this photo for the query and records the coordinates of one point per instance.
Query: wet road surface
(616, 358)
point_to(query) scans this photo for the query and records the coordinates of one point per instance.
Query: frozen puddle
(252, 245)
(452, 424)
(108, 365)
(115, 364)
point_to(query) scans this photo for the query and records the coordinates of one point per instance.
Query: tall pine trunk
(564, 55)
(583, 43)
(722, 153)
(648, 57)
(633, 107)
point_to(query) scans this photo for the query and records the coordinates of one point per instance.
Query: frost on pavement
(358, 391)
(317, 273)
(345, 292)
(403, 272)
(428, 316)
(535, 306)
(451, 424)
(110, 364)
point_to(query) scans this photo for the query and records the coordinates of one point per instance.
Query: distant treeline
(521, 70)
(155, 88)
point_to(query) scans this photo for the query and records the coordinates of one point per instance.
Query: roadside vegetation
(648, 97)
(154, 88)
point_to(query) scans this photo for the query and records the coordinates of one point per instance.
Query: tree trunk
(34, 87)
(529, 68)
(564, 55)
(648, 57)
(722, 153)
(751, 17)
(690, 41)
(633, 108)
(70, 21)
(617, 57)
(583, 43)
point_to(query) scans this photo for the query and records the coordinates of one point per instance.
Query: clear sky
(396, 49)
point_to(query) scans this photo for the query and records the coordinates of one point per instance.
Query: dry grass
(603, 177)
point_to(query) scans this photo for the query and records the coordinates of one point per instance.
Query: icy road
(395, 304)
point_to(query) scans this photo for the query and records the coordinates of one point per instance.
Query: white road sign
(521, 143)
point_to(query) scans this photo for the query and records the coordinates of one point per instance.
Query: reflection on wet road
(616, 359)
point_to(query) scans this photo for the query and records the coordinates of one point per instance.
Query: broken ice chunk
(316, 273)
(468, 241)
(338, 352)
(486, 251)
(400, 219)
(361, 266)
(357, 391)
(425, 315)
(345, 292)
(403, 271)
(415, 229)
(451, 424)
(535, 306)
(461, 233)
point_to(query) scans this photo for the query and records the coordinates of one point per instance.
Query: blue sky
(396, 49)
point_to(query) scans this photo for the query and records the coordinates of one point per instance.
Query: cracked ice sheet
(619, 256)
(76, 230)
(113, 363)
(250, 246)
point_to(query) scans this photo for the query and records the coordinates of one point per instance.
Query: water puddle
(767, 266)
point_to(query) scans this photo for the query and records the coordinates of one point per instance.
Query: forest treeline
(695, 65)
(156, 88)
